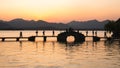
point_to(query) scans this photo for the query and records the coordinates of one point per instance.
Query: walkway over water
(44, 36)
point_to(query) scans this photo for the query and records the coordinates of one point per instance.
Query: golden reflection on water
(56, 55)
(70, 39)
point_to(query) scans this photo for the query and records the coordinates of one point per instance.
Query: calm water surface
(52, 54)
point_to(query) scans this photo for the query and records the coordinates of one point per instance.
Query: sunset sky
(60, 10)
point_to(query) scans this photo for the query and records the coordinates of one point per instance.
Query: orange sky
(60, 10)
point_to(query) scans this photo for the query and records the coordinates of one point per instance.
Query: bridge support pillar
(95, 38)
(3, 39)
(17, 39)
(44, 38)
(32, 38)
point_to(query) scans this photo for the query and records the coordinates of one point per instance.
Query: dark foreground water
(52, 54)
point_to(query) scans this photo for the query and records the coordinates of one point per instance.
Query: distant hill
(92, 24)
(4, 25)
(21, 24)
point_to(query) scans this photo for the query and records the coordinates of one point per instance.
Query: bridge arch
(62, 37)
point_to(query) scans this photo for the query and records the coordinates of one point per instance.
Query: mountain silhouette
(4, 25)
(91, 24)
(21, 24)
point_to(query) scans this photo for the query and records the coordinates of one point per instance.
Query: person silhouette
(86, 33)
(53, 32)
(43, 32)
(105, 34)
(71, 30)
(93, 32)
(21, 34)
(36, 32)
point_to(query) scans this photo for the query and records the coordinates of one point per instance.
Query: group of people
(70, 30)
(94, 33)
(21, 35)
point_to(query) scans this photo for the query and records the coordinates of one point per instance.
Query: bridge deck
(36, 36)
(23, 37)
(97, 36)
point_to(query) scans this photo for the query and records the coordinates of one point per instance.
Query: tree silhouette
(110, 26)
(113, 26)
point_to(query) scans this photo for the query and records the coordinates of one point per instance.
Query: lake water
(52, 54)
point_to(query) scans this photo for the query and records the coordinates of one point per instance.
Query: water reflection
(113, 47)
(108, 46)
(88, 54)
